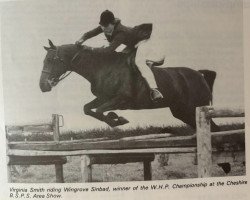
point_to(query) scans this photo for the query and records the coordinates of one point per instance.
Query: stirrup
(157, 97)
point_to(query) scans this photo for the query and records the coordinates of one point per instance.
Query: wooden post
(9, 170)
(56, 134)
(56, 131)
(86, 170)
(147, 170)
(195, 160)
(59, 173)
(204, 146)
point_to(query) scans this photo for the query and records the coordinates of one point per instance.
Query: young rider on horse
(118, 34)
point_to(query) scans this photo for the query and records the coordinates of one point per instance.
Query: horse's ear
(46, 48)
(51, 44)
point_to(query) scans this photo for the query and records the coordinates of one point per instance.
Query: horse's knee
(99, 111)
(86, 110)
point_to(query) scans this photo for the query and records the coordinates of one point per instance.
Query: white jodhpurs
(149, 50)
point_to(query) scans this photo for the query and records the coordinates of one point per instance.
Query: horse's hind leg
(214, 127)
(188, 117)
(190, 120)
(185, 115)
(102, 106)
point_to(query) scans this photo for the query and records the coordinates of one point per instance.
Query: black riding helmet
(107, 17)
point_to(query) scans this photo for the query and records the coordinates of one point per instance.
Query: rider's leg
(144, 52)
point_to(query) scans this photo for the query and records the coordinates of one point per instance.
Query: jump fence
(210, 147)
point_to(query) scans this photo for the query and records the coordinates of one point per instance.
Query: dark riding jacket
(121, 35)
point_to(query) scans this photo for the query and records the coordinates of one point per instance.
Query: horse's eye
(52, 60)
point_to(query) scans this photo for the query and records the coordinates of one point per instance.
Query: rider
(118, 34)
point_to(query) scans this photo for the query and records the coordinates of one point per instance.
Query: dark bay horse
(118, 85)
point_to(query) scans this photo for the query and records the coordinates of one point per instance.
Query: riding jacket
(121, 35)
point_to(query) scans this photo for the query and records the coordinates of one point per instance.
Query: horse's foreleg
(112, 104)
(92, 105)
(102, 106)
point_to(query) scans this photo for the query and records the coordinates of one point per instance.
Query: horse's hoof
(112, 115)
(226, 167)
(112, 123)
(122, 120)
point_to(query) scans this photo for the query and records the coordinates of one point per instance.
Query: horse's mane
(69, 48)
(94, 57)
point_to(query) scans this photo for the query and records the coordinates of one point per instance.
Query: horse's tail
(209, 76)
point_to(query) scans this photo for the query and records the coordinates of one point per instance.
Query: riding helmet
(107, 17)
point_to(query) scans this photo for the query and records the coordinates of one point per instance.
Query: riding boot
(155, 94)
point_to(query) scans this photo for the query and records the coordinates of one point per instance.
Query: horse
(117, 84)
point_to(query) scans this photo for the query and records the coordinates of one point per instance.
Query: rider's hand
(79, 42)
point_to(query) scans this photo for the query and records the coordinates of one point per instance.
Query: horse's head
(53, 68)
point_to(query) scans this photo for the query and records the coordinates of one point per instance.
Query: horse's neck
(94, 66)
(67, 52)
(70, 54)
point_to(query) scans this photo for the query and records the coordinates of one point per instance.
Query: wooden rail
(218, 112)
(101, 152)
(31, 128)
(58, 161)
(218, 140)
(36, 154)
(179, 141)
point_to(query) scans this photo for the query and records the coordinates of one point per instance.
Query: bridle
(54, 81)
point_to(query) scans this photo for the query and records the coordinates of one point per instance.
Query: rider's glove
(79, 42)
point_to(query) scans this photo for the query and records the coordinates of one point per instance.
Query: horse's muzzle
(45, 87)
(44, 84)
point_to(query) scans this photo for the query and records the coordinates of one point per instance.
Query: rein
(65, 75)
